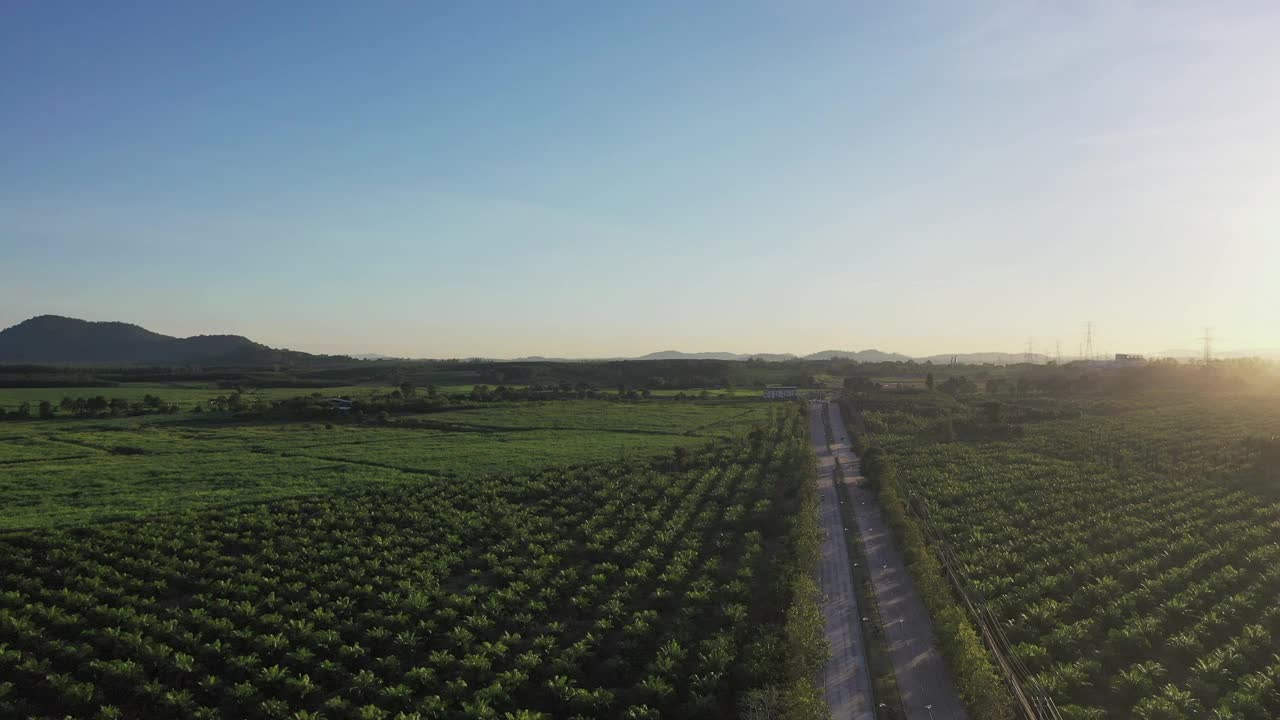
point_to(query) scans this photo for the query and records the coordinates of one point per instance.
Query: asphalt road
(923, 677)
(847, 684)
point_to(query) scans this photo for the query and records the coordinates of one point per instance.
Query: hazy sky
(501, 179)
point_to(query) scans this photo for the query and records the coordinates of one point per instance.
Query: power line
(1208, 345)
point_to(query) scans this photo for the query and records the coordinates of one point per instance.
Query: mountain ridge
(54, 339)
(60, 339)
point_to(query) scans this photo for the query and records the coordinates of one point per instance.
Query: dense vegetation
(632, 590)
(1128, 545)
(65, 471)
(653, 375)
(362, 403)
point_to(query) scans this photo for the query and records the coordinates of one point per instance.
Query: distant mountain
(861, 356)
(56, 339)
(678, 355)
(867, 356)
(540, 358)
(995, 358)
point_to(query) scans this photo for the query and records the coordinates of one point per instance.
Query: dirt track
(924, 679)
(846, 680)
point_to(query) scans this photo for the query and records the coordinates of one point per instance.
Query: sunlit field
(1128, 546)
(640, 587)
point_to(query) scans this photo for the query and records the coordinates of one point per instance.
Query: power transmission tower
(1026, 355)
(1057, 352)
(1088, 340)
(1208, 345)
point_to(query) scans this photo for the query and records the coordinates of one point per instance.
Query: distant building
(780, 392)
(1128, 359)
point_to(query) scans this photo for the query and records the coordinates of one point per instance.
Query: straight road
(846, 679)
(923, 677)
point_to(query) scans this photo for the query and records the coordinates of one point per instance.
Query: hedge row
(797, 694)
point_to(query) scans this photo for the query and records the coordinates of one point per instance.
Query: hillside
(866, 356)
(56, 339)
(678, 355)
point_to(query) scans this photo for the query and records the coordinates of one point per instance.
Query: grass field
(71, 471)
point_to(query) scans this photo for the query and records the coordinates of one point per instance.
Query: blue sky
(508, 179)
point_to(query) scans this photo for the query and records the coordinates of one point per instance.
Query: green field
(695, 418)
(1128, 548)
(69, 470)
(416, 572)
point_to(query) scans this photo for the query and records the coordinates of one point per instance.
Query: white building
(780, 392)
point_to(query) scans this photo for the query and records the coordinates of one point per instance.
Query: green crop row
(76, 471)
(1130, 551)
(610, 591)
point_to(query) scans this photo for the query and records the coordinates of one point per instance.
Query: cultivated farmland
(1130, 549)
(627, 590)
(71, 470)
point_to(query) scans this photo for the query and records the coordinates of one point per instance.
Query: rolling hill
(57, 339)
(867, 356)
